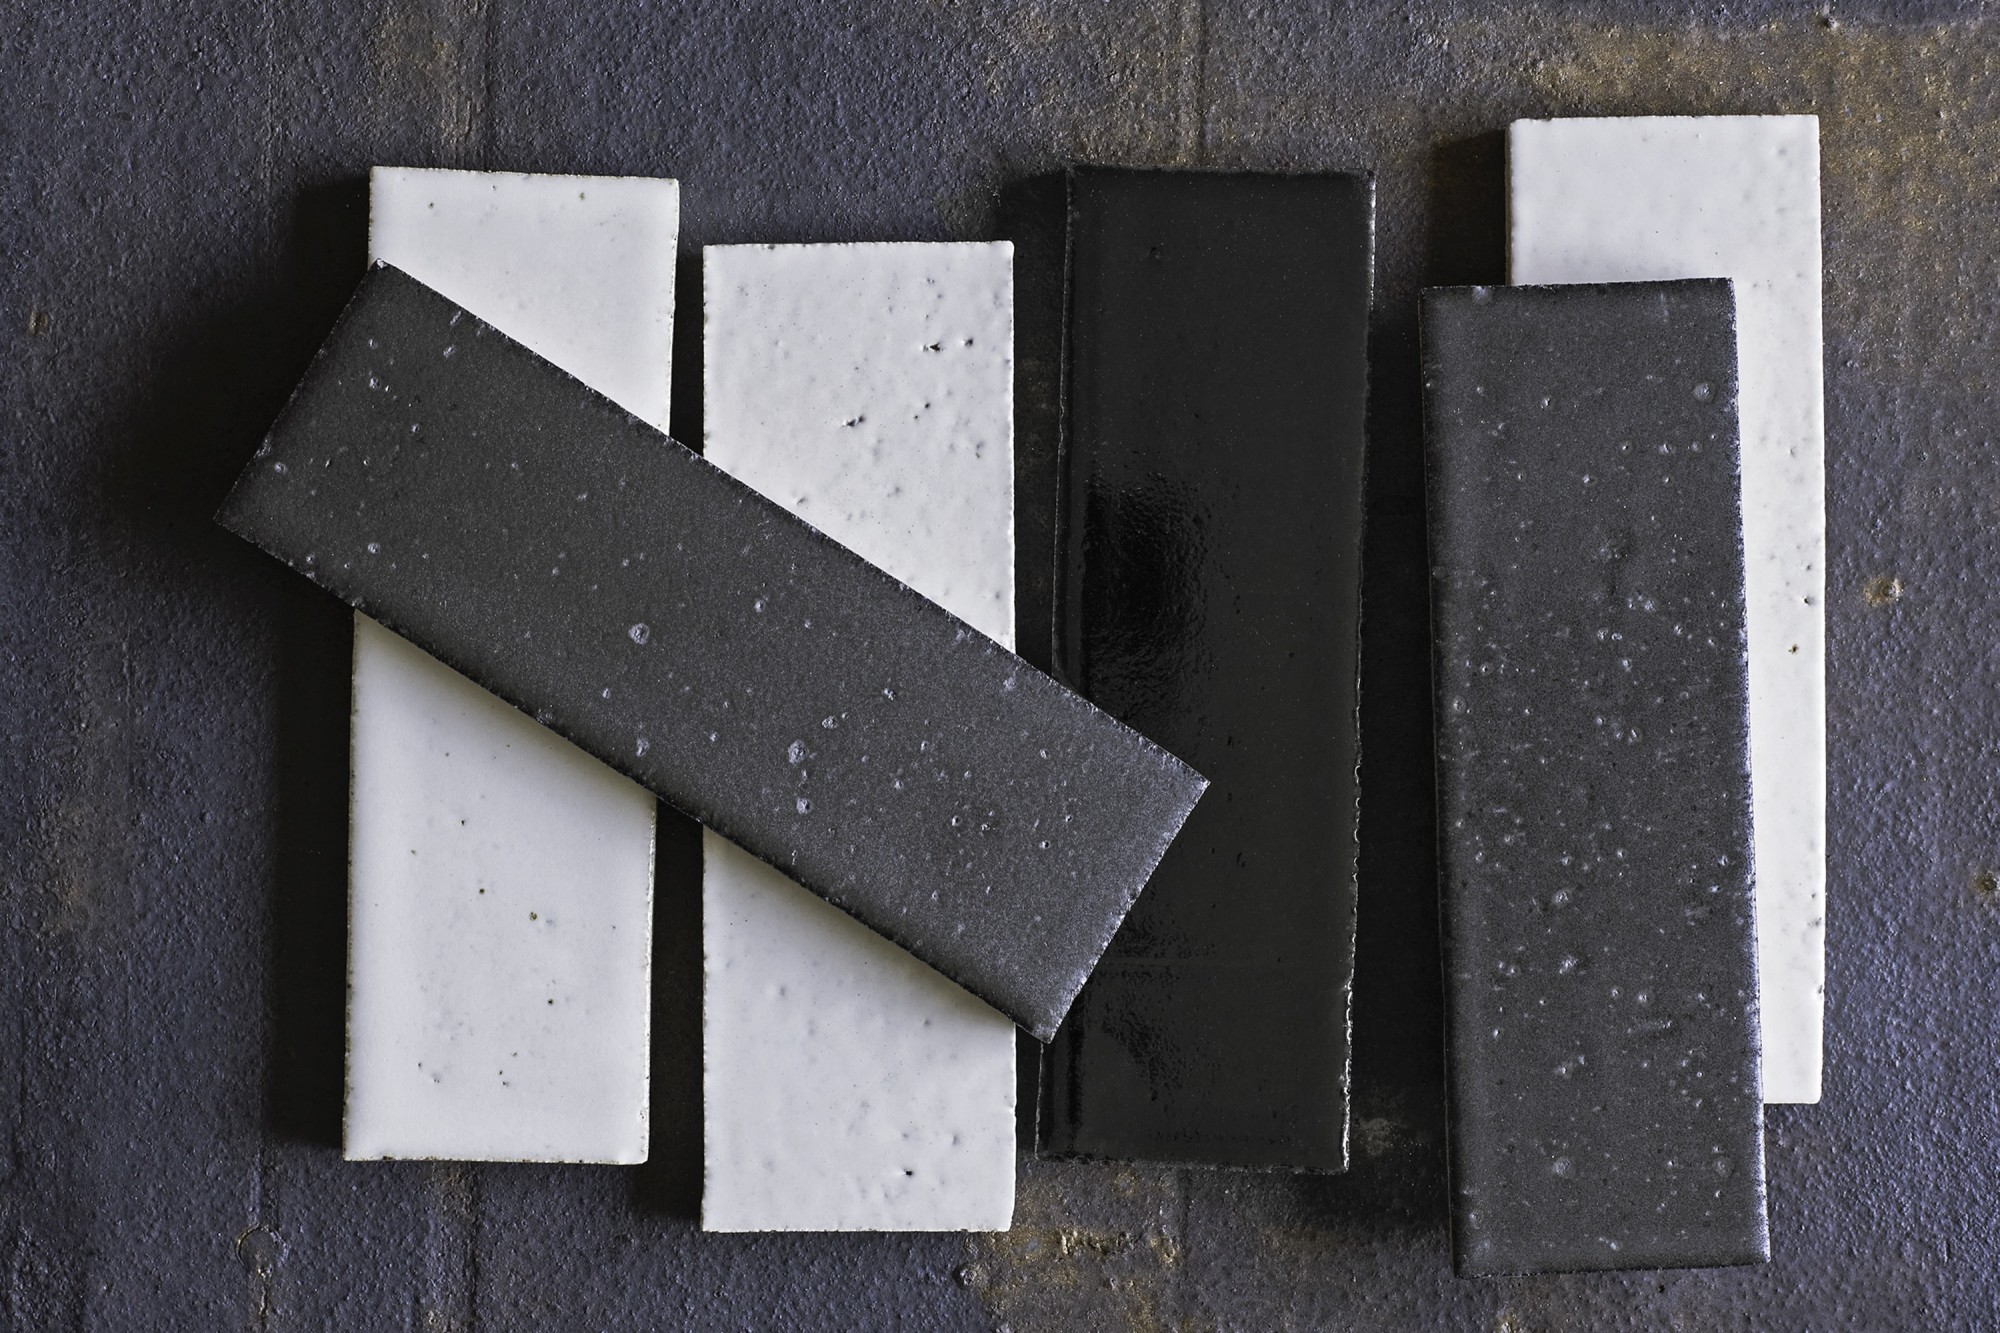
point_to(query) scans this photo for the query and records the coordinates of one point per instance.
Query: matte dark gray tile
(1593, 777)
(535, 537)
(1209, 582)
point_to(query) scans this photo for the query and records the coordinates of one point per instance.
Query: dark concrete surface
(181, 214)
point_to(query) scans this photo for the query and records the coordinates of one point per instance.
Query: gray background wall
(182, 211)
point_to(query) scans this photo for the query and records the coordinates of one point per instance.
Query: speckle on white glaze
(500, 928)
(847, 1087)
(1648, 198)
(501, 908)
(869, 389)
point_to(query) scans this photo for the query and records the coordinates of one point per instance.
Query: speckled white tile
(1643, 198)
(500, 879)
(501, 925)
(869, 389)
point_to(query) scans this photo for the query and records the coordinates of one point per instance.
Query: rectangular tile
(706, 643)
(1208, 593)
(1645, 197)
(501, 880)
(1593, 777)
(869, 390)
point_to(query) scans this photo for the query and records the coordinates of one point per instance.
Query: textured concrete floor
(182, 211)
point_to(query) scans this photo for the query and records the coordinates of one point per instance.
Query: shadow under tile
(670, 1180)
(1397, 1131)
(1032, 215)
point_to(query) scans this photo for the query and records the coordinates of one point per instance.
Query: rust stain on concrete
(1080, 1254)
(430, 58)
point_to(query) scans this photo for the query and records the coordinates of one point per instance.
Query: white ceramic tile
(500, 879)
(869, 389)
(1646, 198)
(848, 1087)
(500, 928)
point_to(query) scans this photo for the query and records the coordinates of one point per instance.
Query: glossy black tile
(664, 617)
(1208, 593)
(1593, 777)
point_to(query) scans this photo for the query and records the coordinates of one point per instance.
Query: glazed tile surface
(1593, 778)
(1209, 585)
(869, 390)
(500, 909)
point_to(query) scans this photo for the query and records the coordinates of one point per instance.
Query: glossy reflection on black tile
(1593, 777)
(1208, 586)
(700, 639)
